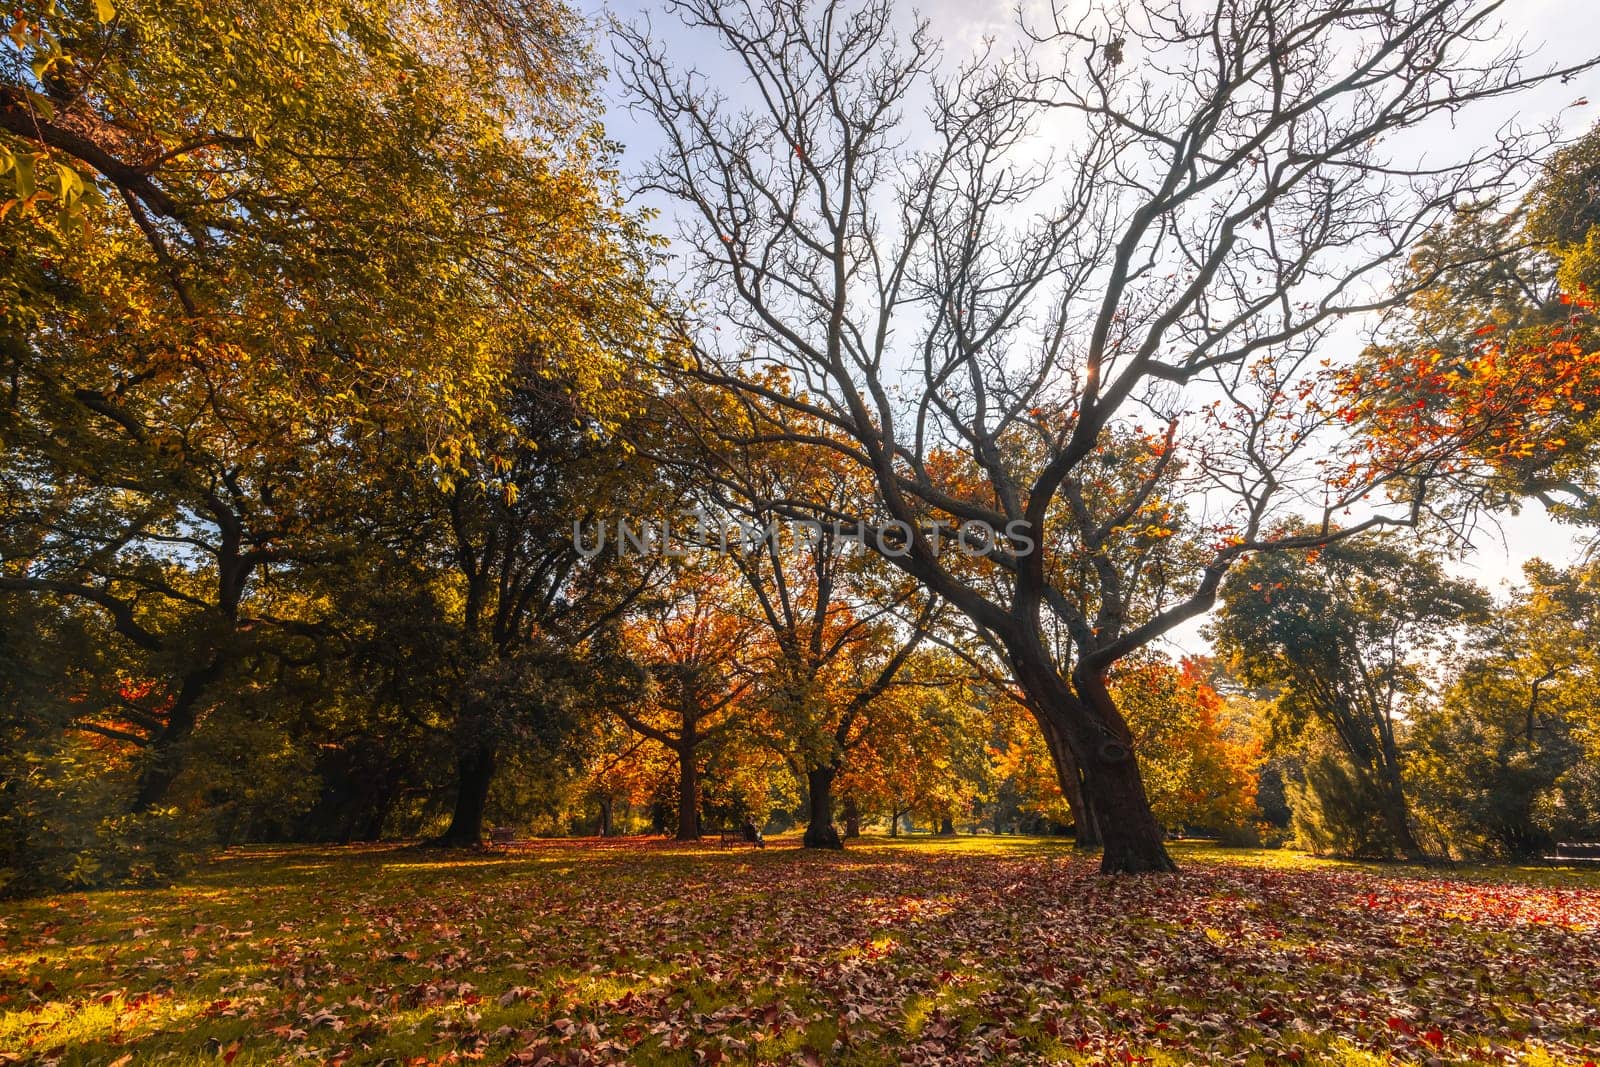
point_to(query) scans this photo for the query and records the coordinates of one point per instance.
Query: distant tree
(833, 649)
(1347, 636)
(1502, 766)
(695, 645)
(1200, 768)
(923, 750)
(529, 595)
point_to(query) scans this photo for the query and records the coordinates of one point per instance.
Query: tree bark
(606, 805)
(1102, 746)
(161, 758)
(1086, 821)
(947, 826)
(688, 795)
(852, 818)
(1114, 790)
(820, 832)
(474, 772)
(1132, 839)
(1086, 827)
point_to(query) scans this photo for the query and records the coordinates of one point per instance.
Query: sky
(1556, 30)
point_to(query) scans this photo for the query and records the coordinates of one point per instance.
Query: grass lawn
(914, 951)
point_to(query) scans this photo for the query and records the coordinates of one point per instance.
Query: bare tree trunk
(1132, 839)
(820, 832)
(606, 806)
(1102, 746)
(852, 818)
(475, 766)
(161, 757)
(688, 795)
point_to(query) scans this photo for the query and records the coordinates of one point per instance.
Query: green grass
(983, 949)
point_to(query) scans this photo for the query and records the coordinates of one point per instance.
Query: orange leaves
(1198, 759)
(1511, 401)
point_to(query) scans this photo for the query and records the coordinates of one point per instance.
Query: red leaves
(999, 952)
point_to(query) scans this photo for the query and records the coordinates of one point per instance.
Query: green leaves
(22, 176)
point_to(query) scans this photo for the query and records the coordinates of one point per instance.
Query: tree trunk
(1087, 822)
(1392, 793)
(606, 804)
(1396, 812)
(1086, 828)
(820, 832)
(1102, 746)
(378, 815)
(947, 826)
(161, 759)
(688, 795)
(1132, 838)
(852, 818)
(474, 772)
(894, 823)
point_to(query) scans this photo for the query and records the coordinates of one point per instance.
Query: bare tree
(1084, 306)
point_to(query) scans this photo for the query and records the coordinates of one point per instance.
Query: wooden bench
(736, 836)
(1585, 852)
(502, 835)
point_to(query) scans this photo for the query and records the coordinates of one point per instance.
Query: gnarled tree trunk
(820, 831)
(475, 765)
(1099, 741)
(1114, 790)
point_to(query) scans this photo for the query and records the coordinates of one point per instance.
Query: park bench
(1577, 852)
(736, 836)
(502, 835)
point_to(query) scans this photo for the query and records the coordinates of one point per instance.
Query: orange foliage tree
(1200, 764)
(1490, 383)
(696, 648)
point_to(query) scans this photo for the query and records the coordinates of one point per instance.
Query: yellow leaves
(105, 10)
(21, 168)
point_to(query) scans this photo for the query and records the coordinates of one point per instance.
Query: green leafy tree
(1502, 767)
(259, 256)
(1344, 636)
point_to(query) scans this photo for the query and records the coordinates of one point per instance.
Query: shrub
(64, 824)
